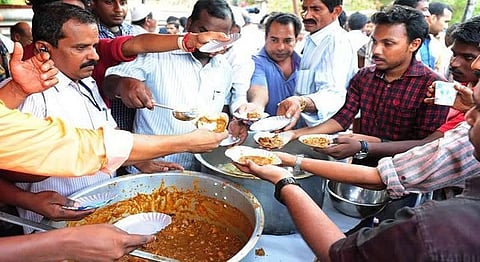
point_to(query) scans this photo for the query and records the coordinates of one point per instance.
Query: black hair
(331, 4)
(47, 23)
(448, 34)
(342, 18)
(284, 19)
(467, 32)
(414, 21)
(437, 8)
(216, 8)
(17, 29)
(410, 3)
(37, 3)
(357, 21)
(172, 19)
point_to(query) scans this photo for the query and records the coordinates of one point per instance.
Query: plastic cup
(445, 93)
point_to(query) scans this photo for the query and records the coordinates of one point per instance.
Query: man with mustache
(182, 79)
(276, 65)
(70, 40)
(328, 63)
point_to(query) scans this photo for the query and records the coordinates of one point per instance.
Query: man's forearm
(12, 95)
(150, 43)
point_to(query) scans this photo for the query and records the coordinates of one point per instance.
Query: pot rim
(335, 195)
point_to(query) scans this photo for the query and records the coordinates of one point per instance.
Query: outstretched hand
(269, 172)
(34, 75)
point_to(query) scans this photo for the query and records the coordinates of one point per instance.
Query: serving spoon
(180, 115)
(43, 227)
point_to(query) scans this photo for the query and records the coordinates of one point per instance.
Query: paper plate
(230, 140)
(144, 223)
(244, 116)
(274, 141)
(318, 140)
(270, 123)
(92, 201)
(217, 46)
(238, 154)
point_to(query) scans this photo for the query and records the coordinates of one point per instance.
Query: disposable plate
(280, 136)
(217, 46)
(144, 223)
(91, 201)
(329, 139)
(270, 123)
(237, 152)
(244, 116)
(230, 140)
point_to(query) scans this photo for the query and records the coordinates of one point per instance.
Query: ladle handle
(163, 106)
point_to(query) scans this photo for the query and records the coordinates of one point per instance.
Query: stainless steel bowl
(129, 186)
(356, 201)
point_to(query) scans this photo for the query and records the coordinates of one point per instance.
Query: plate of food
(214, 46)
(144, 223)
(240, 154)
(270, 123)
(91, 201)
(270, 140)
(320, 141)
(216, 122)
(250, 116)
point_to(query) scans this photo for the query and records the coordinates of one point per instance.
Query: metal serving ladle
(180, 115)
(43, 227)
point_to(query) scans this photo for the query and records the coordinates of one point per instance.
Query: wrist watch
(281, 183)
(363, 150)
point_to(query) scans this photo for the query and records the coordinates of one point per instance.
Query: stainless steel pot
(129, 186)
(277, 218)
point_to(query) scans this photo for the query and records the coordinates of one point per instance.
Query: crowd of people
(78, 108)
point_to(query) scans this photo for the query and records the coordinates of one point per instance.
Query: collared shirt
(52, 147)
(138, 29)
(242, 66)
(435, 231)
(179, 80)
(123, 115)
(447, 161)
(269, 75)
(80, 105)
(328, 63)
(392, 110)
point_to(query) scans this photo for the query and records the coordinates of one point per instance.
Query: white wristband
(180, 43)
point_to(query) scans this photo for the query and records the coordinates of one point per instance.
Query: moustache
(476, 73)
(454, 70)
(89, 63)
(309, 21)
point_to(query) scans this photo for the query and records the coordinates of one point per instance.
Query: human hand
(287, 159)
(49, 204)
(346, 146)
(203, 140)
(134, 93)
(464, 99)
(271, 173)
(101, 242)
(154, 166)
(238, 129)
(34, 75)
(290, 108)
(197, 40)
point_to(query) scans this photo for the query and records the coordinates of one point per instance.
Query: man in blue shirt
(275, 65)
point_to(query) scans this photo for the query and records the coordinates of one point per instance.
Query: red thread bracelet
(184, 42)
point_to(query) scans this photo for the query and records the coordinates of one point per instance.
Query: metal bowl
(129, 186)
(356, 201)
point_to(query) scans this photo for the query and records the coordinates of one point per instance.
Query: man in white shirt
(182, 79)
(142, 20)
(71, 42)
(328, 62)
